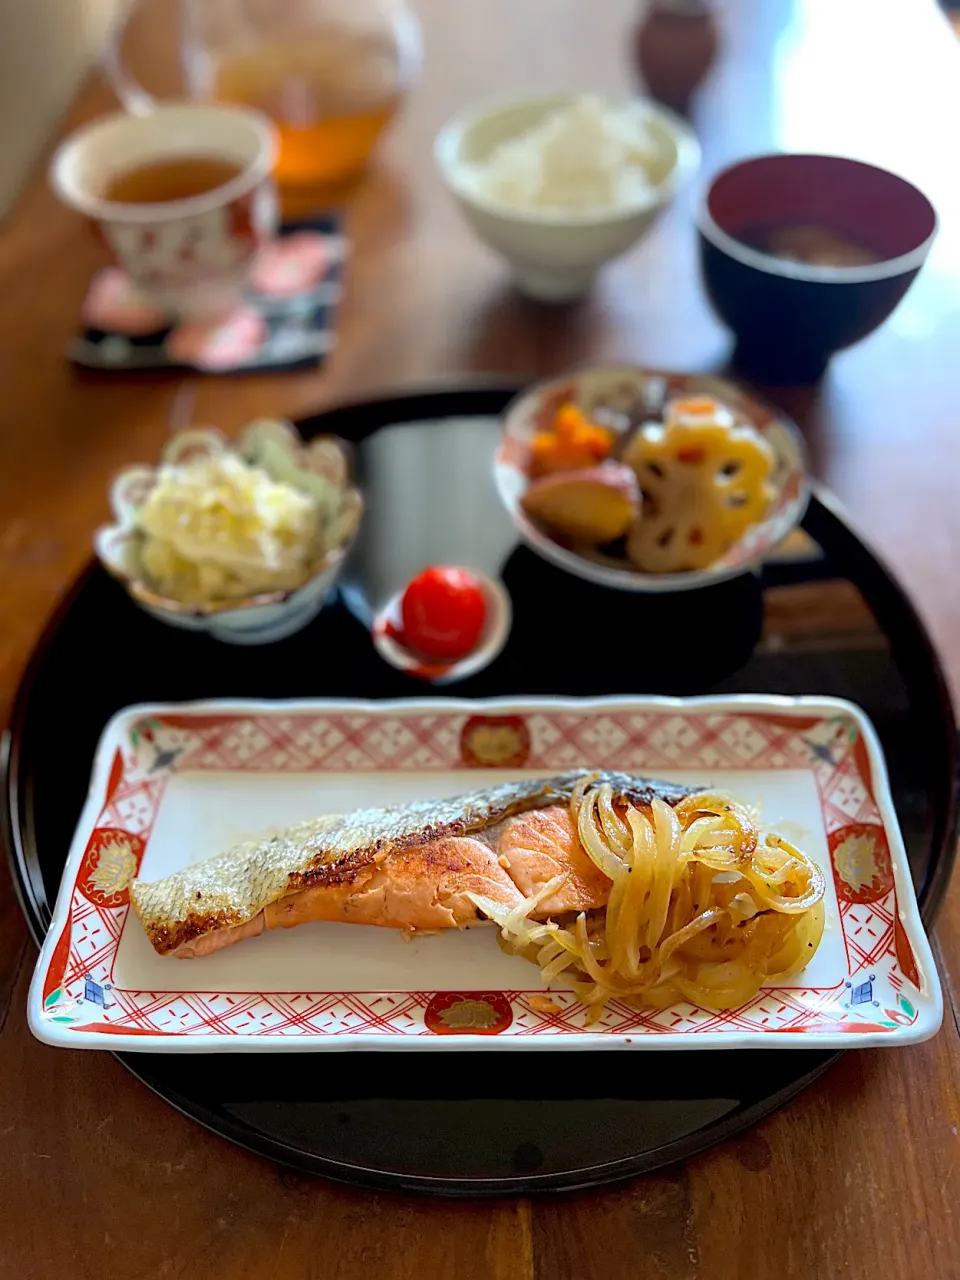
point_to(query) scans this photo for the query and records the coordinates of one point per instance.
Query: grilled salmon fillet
(423, 888)
(409, 867)
(543, 843)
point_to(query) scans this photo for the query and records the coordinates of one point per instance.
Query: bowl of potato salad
(241, 539)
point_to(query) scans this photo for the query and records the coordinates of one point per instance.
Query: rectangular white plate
(174, 784)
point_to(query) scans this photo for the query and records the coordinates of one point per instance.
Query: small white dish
(259, 619)
(174, 784)
(495, 632)
(555, 254)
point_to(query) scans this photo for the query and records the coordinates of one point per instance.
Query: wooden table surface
(861, 1174)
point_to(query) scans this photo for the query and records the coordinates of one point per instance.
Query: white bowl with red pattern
(629, 389)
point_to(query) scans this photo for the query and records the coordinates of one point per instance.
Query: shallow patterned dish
(625, 388)
(174, 783)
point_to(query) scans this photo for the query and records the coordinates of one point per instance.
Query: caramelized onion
(699, 908)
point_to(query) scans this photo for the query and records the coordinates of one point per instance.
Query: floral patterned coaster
(287, 321)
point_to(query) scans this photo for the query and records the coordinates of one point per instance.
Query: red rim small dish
(496, 630)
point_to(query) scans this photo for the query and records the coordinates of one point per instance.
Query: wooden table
(861, 1174)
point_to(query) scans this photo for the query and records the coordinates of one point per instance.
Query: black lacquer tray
(824, 618)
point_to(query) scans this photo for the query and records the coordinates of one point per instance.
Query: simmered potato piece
(594, 505)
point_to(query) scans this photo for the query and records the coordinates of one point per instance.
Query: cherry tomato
(443, 613)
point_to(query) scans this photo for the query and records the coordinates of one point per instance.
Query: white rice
(588, 156)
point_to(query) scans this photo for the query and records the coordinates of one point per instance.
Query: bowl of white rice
(560, 185)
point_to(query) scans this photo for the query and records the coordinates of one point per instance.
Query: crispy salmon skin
(342, 865)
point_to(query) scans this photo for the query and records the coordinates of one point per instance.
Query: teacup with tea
(184, 197)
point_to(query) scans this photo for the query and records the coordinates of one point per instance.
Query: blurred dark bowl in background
(789, 317)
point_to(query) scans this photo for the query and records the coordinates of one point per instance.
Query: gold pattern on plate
(116, 867)
(855, 862)
(469, 1013)
(494, 744)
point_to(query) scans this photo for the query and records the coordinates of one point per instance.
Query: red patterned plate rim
(873, 983)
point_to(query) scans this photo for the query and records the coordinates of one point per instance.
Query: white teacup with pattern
(191, 256)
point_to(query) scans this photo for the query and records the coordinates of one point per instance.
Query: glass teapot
(329, 73)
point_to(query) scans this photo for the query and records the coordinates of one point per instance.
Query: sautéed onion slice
(700, 909)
